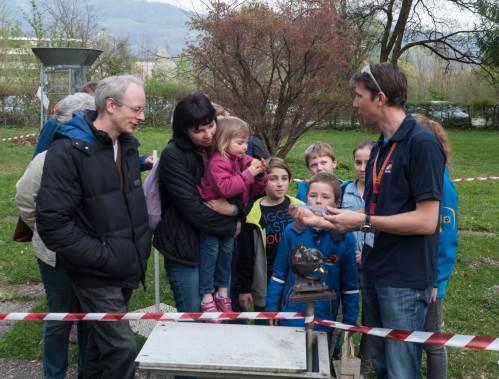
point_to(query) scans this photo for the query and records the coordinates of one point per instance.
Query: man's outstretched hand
(344, 220)
(334, 218)
(306, 217)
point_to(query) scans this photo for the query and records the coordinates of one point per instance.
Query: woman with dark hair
(184, 214)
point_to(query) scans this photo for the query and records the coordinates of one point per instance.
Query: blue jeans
(436, 356)
(395, 308)
(60, 298)
(184, 281)
(215, 258)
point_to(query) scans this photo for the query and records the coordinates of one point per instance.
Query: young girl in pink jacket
(235, 176)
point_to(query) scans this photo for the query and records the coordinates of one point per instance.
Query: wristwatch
(366, 227)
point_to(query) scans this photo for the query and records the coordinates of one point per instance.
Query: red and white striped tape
(446, 339)
(16, 138)
(430, 338)
(173, 316)
(477, 179)
(457, 180)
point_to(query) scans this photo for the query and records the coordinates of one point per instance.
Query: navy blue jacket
(414, 173)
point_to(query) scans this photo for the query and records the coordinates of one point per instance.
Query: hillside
(152, 23)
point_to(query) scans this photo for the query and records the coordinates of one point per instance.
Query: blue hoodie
(77, 128)
(340, 268)
(447, 244)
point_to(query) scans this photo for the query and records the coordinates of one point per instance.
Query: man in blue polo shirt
(402, 195)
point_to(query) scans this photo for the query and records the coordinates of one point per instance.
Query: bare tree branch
(274, 66)
(417, 24)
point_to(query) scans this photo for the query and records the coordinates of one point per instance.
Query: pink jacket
(223, 178)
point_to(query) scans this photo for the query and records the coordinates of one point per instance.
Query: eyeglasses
(135, 110)
(367, 70)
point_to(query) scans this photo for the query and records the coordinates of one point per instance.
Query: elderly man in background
(58, 288)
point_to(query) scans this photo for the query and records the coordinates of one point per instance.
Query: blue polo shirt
(413, 174)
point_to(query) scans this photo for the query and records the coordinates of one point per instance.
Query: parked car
(450, 115)
(443, 110)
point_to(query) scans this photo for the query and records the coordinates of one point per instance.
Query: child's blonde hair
(439, 132)
(319, 149)
(229, 127)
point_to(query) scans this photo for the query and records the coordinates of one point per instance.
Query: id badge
(369, 240)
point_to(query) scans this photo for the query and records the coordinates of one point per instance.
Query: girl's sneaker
(210, 307)
(224, 304)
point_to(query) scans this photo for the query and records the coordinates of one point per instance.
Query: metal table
(230, 351)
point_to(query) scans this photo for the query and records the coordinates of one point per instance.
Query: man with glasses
(402, 195)
(91, 211)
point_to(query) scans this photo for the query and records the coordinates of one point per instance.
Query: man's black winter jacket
(99, 233)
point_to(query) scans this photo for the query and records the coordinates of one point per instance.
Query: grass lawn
(472, 303)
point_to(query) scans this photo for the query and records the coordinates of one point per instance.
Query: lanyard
(378, 177)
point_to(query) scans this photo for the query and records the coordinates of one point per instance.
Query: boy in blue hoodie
(339, 264)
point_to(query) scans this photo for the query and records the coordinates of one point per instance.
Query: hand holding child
(222, 206)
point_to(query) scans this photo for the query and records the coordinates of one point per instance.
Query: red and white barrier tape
(447, 339)
(19, 137)
(477, 179)
(441, 339)
(173, 316)
(458, 180)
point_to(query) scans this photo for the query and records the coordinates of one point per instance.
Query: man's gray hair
(73, 103)
(114, 87)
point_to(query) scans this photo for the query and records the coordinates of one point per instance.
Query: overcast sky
(442, 9)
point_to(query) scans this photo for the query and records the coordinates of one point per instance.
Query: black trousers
(111, 348)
